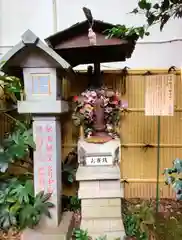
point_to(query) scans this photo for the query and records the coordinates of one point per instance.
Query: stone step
(62, 232)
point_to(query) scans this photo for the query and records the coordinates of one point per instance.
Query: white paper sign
(159, 95)
(99, 160)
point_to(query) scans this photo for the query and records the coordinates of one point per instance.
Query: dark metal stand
(95, 76)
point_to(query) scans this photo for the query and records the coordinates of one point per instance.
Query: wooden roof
(73, 44)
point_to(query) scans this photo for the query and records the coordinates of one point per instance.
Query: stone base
(107, 208)
(100, 192)
(112, 228)
(62, 232)
(102, 217)
(99, 182)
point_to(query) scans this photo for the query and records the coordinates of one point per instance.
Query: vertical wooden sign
(159, 95)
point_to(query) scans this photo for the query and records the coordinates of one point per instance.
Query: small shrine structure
(98, 173)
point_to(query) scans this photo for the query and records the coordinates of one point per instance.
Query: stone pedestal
(100, 191)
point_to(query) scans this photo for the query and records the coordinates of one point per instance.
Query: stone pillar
(100, 189)
(47, 162)
(47, 178)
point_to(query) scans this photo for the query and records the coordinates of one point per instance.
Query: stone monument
(99, 177)
(42, 72)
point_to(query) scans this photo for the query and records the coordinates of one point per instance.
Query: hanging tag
(92, 36)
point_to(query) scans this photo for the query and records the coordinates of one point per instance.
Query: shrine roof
(30, 42)
(73, 44)
(76, 30)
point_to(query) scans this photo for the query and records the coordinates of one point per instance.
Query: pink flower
(82, 111)
(108, 109)
(93, 94)
(124, 104)
(115, 102)
(88, 107)
(75, 98)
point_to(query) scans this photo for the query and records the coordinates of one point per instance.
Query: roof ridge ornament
(29, 38)
(88, 15)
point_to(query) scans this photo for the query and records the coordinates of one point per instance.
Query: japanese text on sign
(159, 95)
(44, 151)
(100, 160)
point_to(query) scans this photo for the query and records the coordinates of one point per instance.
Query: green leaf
(164, 20)
(170, 180)
(11, 199)
(178, 165)
(28, 138)
(49, 205)
(141, 32)
(7, 218)
(156, 6)
(144, 4)
(177, 185)
(164, 5)
(40, 195)
(46, 197)
(151, 18)
(18, 151)
(70, 178)
(23, 192)
(179, 196)
(2, 197)
(18, 143)
(27, 215)
(5, 159)
(41, 199)
(15, 208)
(3, 167)
(29, 187)
(135, 11)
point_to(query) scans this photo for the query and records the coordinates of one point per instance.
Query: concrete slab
(62, 232)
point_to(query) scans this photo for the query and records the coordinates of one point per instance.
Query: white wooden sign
(159, 95)
(99, 160)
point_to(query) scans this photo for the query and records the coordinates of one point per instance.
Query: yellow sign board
(159, 95)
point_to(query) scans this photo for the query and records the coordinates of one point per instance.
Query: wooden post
(97, 75)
